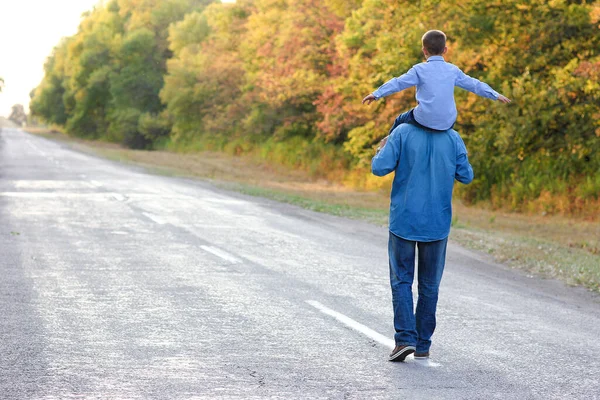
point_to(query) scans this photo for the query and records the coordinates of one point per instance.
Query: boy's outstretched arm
(394, 85)
(482, 89)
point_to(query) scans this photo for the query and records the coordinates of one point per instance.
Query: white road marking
(36, 195)
(118, 196)
(33, 146)
(426, 363)
(222, 254)
(357, 326)
(368, 332)
(33, 184)
(155, 218)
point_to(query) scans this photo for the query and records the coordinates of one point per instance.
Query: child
(435, 81)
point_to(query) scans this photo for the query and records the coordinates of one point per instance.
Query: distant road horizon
(6, 123)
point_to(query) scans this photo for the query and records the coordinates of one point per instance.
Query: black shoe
(421, 356)
(400, 352)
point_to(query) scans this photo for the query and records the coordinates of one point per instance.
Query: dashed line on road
(221, 254)
(368, 332)
(357, 326)
(118, 196)
(34, 147)
(155, 218)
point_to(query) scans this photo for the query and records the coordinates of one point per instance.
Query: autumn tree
(205, 77)
(18, 115)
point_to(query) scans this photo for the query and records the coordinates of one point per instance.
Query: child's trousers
(409, 118)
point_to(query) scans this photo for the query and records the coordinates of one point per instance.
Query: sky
(29, 30)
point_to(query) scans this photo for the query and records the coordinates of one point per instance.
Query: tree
(18, 115)
(101, 81)
(203, 86)
(49, 98)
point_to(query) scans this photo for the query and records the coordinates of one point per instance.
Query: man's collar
(435, 58)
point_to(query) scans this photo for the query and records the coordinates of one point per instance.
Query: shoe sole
(401, 355)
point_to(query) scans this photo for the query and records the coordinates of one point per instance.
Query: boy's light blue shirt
(435, 81)
(426, 163)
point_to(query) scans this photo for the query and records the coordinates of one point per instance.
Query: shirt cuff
(377, 95)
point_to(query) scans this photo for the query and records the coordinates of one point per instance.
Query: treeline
(283, 79)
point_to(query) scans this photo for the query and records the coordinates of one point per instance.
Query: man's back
(426, 164)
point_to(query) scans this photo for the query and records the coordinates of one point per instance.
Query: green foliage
(203, 85)
(155, 127)
(48, 98)
(100, 80)
(124, 128)
(137, 80)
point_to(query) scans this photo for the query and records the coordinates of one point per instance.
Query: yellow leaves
(556, 3)
(597, 119)
(595, 13)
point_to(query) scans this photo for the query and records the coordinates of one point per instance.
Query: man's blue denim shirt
(435, 81)
(426, 163)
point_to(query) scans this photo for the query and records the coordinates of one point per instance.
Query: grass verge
(547, 246)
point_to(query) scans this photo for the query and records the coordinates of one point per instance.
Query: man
(426, 163)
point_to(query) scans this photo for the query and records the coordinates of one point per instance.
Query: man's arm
(394, 85)
(386, 159)
(482, 89)
(464, 171)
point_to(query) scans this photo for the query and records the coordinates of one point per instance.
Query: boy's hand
(503, 99)
(369, 99)
(382, 143)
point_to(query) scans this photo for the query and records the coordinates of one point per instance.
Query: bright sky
(29, 30)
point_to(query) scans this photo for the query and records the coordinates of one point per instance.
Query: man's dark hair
(434, 42)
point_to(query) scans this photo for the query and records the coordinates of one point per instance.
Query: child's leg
(403, 118)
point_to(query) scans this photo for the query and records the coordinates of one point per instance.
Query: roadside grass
(546, 246)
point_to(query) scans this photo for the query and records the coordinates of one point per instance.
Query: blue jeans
(409, 118)
(415, 328)
(404, 118)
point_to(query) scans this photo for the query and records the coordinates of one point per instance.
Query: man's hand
(382, 143)
(503, 99)
(369, 99)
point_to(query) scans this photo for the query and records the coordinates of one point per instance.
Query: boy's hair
(434, 42)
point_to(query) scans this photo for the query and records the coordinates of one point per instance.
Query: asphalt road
(117, 284)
